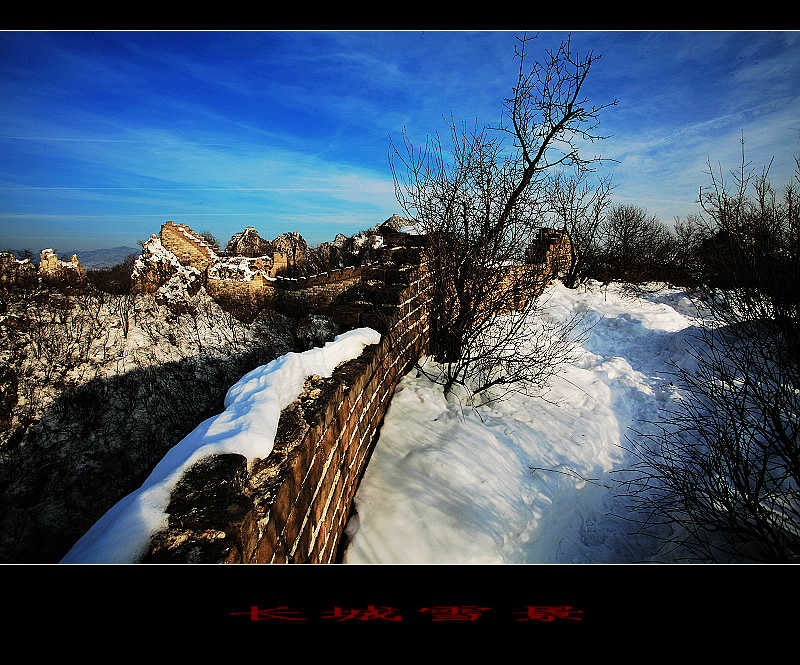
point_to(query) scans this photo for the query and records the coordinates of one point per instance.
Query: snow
(246, 427)
(239, 267)
(447, 484)
(154, 251)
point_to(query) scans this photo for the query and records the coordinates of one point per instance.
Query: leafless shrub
(116, 280)
(636, 246)
(723, 465)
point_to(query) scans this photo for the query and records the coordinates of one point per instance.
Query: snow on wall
(306, 522)
(246, 427)
(302, 518)
(298, 500)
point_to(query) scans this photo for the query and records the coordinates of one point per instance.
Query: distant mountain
(92, 259)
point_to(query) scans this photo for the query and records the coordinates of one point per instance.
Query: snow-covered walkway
(447, 486)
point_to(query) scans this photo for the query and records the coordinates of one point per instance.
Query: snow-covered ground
(448, 485)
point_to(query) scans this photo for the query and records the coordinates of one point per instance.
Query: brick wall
(297, 500)
(292, 506)
(189, 247)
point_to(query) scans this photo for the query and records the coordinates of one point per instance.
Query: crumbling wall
(552, 249)
(259, 280)
(293, 296)
(292, 506)
(53, 268)
(189, 247)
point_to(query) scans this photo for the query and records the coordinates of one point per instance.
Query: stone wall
(51, 267)
(552, 249)
(305, 521)
(241, 290)
(292, 506)
(297, 500)
(294, 296)
(189, 247)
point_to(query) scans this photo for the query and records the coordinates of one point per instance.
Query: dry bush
(722, 467)
(635, 247)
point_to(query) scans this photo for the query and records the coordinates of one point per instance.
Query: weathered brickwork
(294, 504)
(299, 497)
(189, 247)
(551, 249)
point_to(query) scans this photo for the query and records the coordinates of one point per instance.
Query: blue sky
(105, 135)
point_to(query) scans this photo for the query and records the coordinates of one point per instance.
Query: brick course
(299, 497)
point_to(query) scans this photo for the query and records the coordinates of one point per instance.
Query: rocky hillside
(95, 387)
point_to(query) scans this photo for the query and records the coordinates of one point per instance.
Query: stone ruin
(293, 505)
(53, 267)
(23, 273)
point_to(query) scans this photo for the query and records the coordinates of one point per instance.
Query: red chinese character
(276, 613)
(455, 612)
(549, 613)
(359, 614)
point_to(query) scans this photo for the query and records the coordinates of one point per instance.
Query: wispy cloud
(292, 128)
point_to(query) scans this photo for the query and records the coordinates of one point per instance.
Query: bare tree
(578, 208)
(478, 200)
(211, 240)
(690, 235)
(636, 246)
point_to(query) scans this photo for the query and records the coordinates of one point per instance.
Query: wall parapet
(297, 500)
(293, 505)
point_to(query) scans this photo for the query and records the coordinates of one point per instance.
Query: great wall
(293, 505)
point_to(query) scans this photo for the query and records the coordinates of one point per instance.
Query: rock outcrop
(248, 243)
(294, 246)
(16, 272)
(395, 223)
(51, 267)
